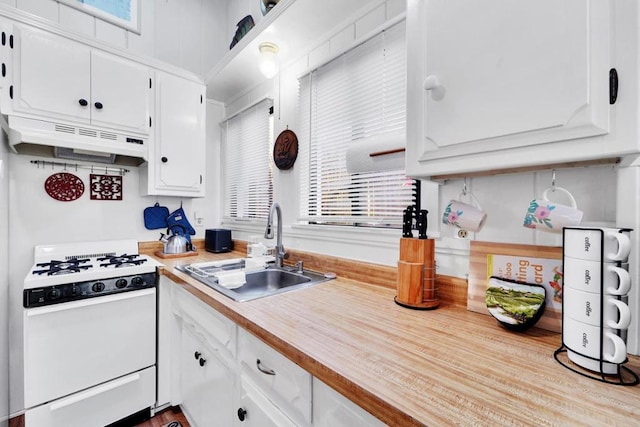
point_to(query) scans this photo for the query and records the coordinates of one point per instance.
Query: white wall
(187, 33)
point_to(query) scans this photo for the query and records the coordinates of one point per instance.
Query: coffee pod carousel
(595, 313)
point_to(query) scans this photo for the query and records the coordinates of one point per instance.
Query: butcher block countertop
(410, 367)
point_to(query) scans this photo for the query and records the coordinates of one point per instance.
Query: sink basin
(259, 284)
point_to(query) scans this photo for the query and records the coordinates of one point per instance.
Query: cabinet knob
(164, 159)
(432, 84)
(197, 355)
(98, 105)
(242, 414)
(83, 102)
(202, 361)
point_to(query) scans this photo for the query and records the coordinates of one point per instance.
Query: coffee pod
(585, 340)
(545, 215)
(596, 244)
(596, 277)
(590, 308)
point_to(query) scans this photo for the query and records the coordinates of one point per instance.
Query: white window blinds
(247, 173)
(358, 95)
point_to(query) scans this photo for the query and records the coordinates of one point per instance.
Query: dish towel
(231, 279)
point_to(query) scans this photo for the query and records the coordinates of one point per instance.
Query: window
(358, 95)
(123, 13)
(248, 175)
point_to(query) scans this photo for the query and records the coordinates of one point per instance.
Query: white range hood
(77, 142)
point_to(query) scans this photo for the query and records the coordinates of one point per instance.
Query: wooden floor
(165, 417)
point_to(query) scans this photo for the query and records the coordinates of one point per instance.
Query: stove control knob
(98, 287)
(74, 290)
(121, 283)
(137, 281)
(53, 293)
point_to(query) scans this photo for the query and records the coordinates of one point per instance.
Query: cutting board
(522, 258)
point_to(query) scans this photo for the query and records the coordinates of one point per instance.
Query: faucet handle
(299, 267)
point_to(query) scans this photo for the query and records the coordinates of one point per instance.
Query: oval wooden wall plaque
(285, 150)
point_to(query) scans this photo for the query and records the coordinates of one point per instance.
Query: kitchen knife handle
(422, 224)
(406, 223)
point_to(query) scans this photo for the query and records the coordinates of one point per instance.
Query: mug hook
(553, 180)
(464, 187)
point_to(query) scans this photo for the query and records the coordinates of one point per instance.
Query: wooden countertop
(408, 367)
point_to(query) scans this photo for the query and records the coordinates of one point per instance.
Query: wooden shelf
(563, 165)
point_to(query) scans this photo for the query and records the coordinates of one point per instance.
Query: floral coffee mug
(463, 215)
(545, 215)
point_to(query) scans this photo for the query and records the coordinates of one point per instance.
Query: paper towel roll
(359, 159)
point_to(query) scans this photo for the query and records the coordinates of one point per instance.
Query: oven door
(76, 345)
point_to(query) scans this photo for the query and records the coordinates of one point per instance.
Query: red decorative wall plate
(64, 186)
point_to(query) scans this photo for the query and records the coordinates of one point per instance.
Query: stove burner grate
(54, 268)
(121, 260)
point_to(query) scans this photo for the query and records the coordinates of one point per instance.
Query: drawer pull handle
(263, 370)
(197, 355)
(202, 361)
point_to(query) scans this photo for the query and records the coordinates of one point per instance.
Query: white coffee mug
(589, 308)
(596, 243)
(545, 215)
(593, 364)
(595, 276)
(465, 216)
(584, 339)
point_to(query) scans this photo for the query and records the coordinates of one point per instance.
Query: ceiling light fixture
(268, 59)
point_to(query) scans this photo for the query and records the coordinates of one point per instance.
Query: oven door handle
(79, 397)
(55, 308)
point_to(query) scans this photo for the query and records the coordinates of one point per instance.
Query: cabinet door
(207, 383)
(120, 93)
(178, 153)
(256, 410)
(52, 76)
(490, 76)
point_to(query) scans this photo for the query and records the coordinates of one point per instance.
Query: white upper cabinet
(501, 83)
(176, 164)
(65, 80)
(120, 93)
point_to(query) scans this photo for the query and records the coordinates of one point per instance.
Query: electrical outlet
(463, 234)
(199, 221)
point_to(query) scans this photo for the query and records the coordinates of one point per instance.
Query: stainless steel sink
(261, 283)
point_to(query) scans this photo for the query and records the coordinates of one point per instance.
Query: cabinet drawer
(99, 405)
(331, 409)
(284, 382)
(257, 411)
(216, 328)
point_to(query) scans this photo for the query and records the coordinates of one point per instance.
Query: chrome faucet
(268, 234)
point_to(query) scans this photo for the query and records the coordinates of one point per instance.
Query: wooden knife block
(416, 274)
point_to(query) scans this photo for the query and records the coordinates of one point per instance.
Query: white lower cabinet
(331, 409)
(286, 384)
(257, 410)
(221, 375)
(207, 381)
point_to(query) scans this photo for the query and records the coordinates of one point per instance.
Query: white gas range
(89, 334)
